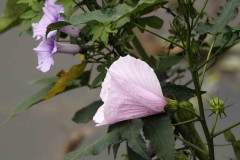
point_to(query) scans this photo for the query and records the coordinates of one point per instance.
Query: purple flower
(130, 90)
(48, 47)
(51, 15)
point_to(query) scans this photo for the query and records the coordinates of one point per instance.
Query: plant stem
(202, 115)
(168, 40)
(190, 144)
(224, 130)
(196, 83)
(200, 13)
(215, 123)
(206, 65)
(186, 122)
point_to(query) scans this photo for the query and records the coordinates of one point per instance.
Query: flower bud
(171, 106)
(184, 111)
(216, 105)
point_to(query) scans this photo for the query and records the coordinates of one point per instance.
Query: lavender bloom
(71, 30)
(47, 48)
(52, 15)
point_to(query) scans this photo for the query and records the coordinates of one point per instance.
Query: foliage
(112, 28)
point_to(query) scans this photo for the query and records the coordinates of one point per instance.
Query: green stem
(215, 123)
(215, 55)
(190, 144)
(202, 115)
(186, 122)
(200, 13)
(168, 40)
(206, 65)
(195, 79)
(224, 130)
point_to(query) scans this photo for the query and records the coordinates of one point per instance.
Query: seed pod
(217, 106)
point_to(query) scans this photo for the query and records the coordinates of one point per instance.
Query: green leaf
(133, 155)
(180, 156)
(152, 21)
(122, 132)
(236, 147)
(26, 26)
(102, 16)
(99, 78)
(86, 114)
(56, 26)
(36, 98)
(115, 148)
(11, 15)
(178, 92)
(226, 13)
(135, 140)
(29, 14)
(112, 14)
(159, 130)
(165, 62)
(36, 6)
(68, 9)
(229, 137)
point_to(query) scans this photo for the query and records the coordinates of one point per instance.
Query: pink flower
(130, 90)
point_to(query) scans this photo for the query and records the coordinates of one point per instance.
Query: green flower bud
(172, 105)
(185, 111)
(217, 106)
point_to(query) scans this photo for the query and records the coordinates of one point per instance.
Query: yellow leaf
(74, 72)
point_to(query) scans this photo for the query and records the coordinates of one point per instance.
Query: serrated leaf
(226, 13)
(159, 130)
(124, 131)
(102, 16)
(86, 114)
(62, 83)
(11, 15)
(112, 14)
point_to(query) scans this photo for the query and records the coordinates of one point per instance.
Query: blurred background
(44, 131)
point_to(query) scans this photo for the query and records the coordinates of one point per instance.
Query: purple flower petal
(51, 15)
(45, 51)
